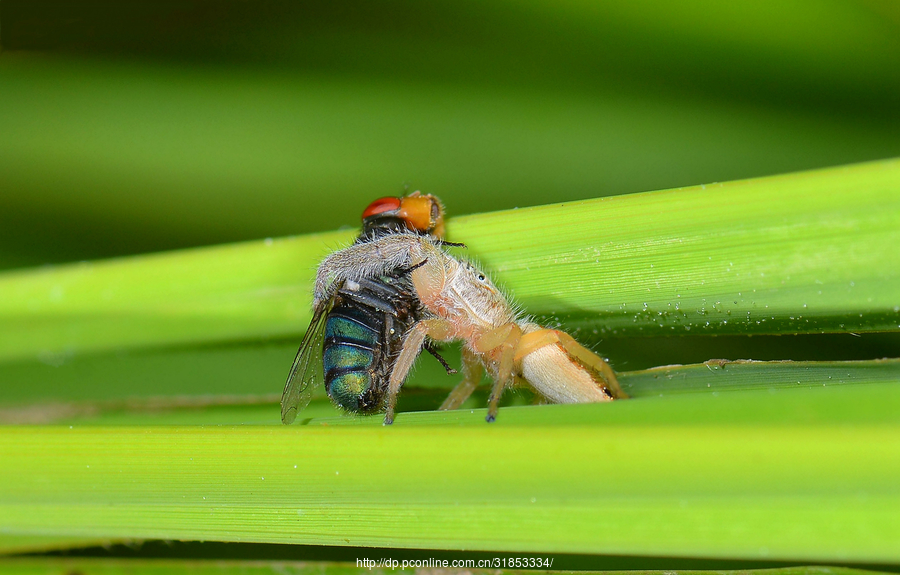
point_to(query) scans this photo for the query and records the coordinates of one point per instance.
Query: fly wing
(307, 372)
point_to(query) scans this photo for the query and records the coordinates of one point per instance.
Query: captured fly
(357, 333)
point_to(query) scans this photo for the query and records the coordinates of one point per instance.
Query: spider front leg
(412, 346)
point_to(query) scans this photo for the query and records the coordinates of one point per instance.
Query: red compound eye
(380, 206)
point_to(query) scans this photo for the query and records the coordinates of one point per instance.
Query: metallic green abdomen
(349, 357)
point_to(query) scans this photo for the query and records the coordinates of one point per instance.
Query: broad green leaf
(167, 407)
(801, 253)
(801, 474)
(809, 252)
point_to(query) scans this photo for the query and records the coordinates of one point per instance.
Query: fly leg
(472, 374)
(413, 342)
(412, 268)
(430, 349)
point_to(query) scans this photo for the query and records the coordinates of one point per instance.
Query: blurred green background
(139, 126)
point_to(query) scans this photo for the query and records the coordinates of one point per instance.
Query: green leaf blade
(802, 253)
(808, 486)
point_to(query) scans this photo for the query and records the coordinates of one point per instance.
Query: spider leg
(505, 369)
(494, 338)
(573, 353)
(535, 340)
(594, 362)
(472, 374)
(412, 346)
